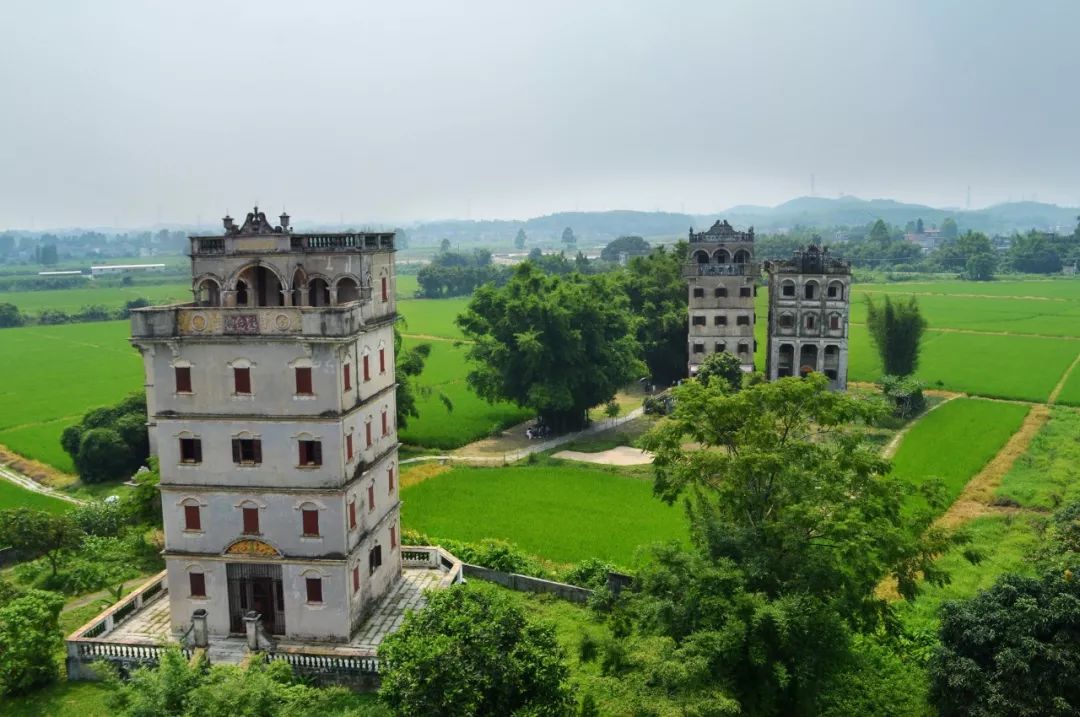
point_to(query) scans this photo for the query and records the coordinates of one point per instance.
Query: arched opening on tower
(208, 293)
(347, 290)
(299, 284)
(701, 257)
(785, 365)
(742, 256)
(318, 292)
(808, 355)
(721, 256)
(832, 362)
(260, 287)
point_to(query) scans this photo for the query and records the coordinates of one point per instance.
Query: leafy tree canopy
(896, 328)
(558, 345)
(473, 652)
(39, 533)
(657, 293)
(630, 245)
(110, 442)
(29, 639)
(722, 367)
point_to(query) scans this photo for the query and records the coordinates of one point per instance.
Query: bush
(99, 518)
(591, 573)
(473, 652)
(492, 554)
(110, 442)
(29, 639)
(905, 395)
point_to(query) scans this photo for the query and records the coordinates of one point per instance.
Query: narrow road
(30, 484)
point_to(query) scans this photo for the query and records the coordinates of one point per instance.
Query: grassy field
(954, 441)
(1048, 475)
(561, 512)
(15, 496)
(431, 317)
(112, 297)
(1070, 392)
(472, 418)
(54, 374)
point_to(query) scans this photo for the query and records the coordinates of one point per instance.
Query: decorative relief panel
(207, 322)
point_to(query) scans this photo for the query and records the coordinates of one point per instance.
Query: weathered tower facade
(809, 302)
(722, 277)
(272, 412)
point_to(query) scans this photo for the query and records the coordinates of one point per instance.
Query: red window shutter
(385, 425)
(367, 431)
(348, 447)
(385, 293)
(367, 368)
(183, 379)
(352, 514)
(192, 519)
(370, 498)
(348, 377)
(236, 450)
(382, 360)
(314, 589)
(390, 478)
(303, 381)
(256, 449)
(251, 521)
(311, 522)
(303, 453)
(242, 380)
(393, 536)
(356, 579)
(197, 584)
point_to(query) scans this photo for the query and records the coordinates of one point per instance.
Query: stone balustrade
(193, 320)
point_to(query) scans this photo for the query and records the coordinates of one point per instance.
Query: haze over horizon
(128, 114)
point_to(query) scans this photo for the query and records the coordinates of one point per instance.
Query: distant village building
(809, 302)
(927, 240)
(722, 281)
(272, 411)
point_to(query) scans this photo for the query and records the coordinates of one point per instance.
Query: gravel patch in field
(618, 456)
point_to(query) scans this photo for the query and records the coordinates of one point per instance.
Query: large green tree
(1012, 650)
(558, 345)
(630, 245)
(795, 521)
(473, 652)
(896, 328)
(657, 293)
(410, 364)
(29, 639)
(38, 533)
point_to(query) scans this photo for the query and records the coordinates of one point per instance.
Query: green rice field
(432, 317)
(563, 513)
(111, 297)
(953, 442)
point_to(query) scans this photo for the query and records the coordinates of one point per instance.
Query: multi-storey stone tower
(809, 300)
(272, 413)
(722, 278)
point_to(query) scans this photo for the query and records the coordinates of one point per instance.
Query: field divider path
(24, 481)
(1064, 379)
(975, 500)
(516, 455)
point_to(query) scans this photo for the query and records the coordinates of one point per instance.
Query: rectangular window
(367, 432)
(192, 518)
(311, 522)
(242, 380)
(744, 348)
(183, 379)
(374, 559)
(720, 347)
(247, 451)
(197, 585)
(348, 377)
(371, 498)
(720, 320)
(699, 293)
(190, 450)
(393, 536)
(742, 320)
(348, 447)
(356, 579)
(697, 320)
(699, 348)
(251, 521)
(314, 590)
(382, 360)
(367, 368)
(303, 381)
(385, 290)
(390, 479)
(834, 322)
(720, 292)
(310, 453)
(385, 424)
(745, 291)
(352, 515)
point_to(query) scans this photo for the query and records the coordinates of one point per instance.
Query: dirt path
(1064, 379)
(974, 501)
(430, 337)
(968, 296)
(25, 481)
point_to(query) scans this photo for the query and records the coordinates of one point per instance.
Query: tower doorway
(256, 587)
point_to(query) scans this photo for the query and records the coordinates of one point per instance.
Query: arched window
(834, 322)
(261, 287)
(701, 257)
(347, 290)
(786, 321)
(742, 256)
(318, 292)
(811, 321)
(208, 293)
(836, 290)
(810, 290)
(787, 288)
(721, 256)
(786, 364)
(808, 355)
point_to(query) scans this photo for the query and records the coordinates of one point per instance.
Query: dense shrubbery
(10, 315)
(458, 274)
(95, 563)
(29, 638)
(905, 395)
(473, 652)
(111, 442)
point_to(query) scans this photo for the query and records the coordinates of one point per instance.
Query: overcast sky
(130, 113)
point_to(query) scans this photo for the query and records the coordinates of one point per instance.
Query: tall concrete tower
(272, 413)
(722, 275)
(809, 306)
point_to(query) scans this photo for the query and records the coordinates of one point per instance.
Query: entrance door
(256, 587)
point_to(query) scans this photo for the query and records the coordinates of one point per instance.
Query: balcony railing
(209, 246)
(194, 320)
